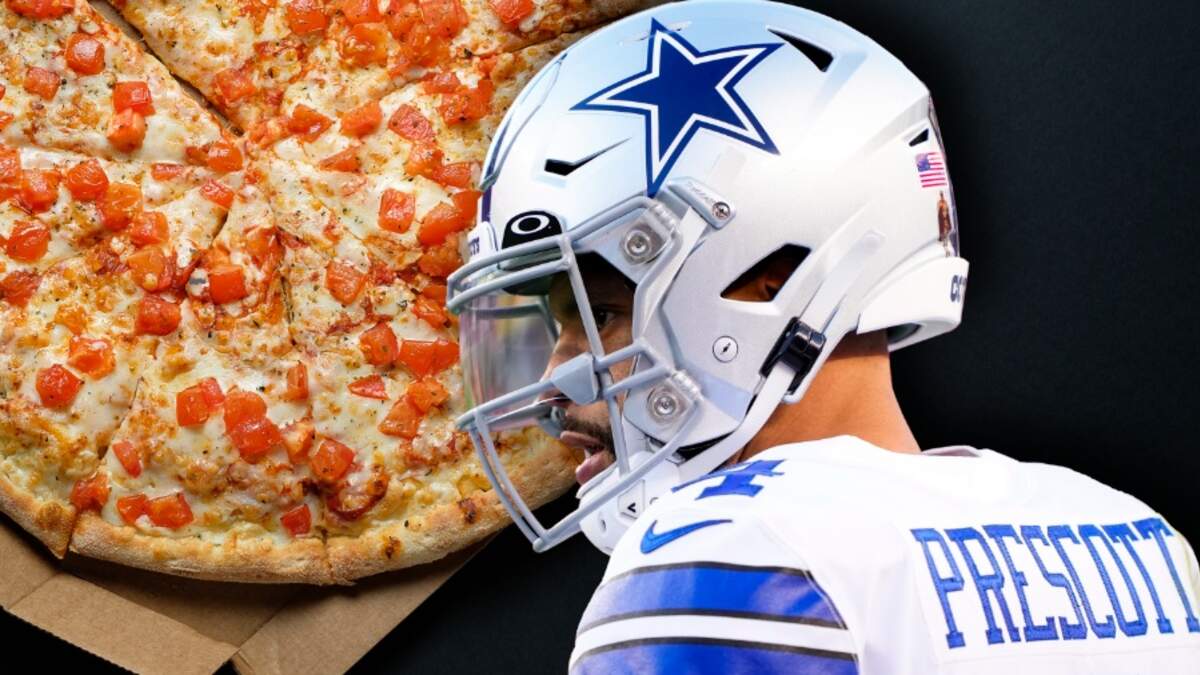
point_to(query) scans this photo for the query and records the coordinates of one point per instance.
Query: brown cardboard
(157, 623)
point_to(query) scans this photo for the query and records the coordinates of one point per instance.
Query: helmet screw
(721, 210)
(637, 245)
(664, 404)
(725, 349)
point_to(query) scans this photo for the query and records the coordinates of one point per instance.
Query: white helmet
(685, 144)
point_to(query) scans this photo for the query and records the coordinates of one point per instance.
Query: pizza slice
(56, 205)
(370, 47)
(402, 485)
(71, 346)
(72, 81)
(240, 54)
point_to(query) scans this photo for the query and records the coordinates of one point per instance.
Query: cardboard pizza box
(157, 623)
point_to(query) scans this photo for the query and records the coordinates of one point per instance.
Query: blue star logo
(681, 91)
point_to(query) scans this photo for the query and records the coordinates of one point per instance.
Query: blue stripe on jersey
(710, 657)
(774, 593)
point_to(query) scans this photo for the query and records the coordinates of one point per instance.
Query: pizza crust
(47, 519)
(449, 527)
(258, 560)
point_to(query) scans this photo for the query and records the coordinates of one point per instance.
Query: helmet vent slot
(777, 267)
(820, 58)
(920, 138)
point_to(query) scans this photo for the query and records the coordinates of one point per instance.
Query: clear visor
(507, 340)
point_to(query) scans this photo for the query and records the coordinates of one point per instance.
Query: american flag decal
(931, 169)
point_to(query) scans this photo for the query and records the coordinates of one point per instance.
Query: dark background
(1071, 137)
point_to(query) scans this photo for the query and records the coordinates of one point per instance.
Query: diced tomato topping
(217, 193)
(149, 227)
(166, 170)
(440, 260)
(129, 457)
(298, 521)
(28, 241)
(425, 394)
(157, 316)
(402, 420)
(212, 391)
(120, 203)
(447, 218)
(151, 268)
(226, 283)
(93, 357)
(344, 281)
(127, 130)
(468, 105)
(57, 386)
(371, 386)
(16, 288)
(379, 345)
(446, 18)
(254, 438)
(242, 406)
(346, 160)
(331, 461)
(436, 292)
(306, 16)
(40, 9)
(364, 44)
(39, 189)
(133, 507)
(297, 383)
(87, 181)
(224, 156)
(445, 82)
(42, 82)
(263, 244)
(457, 174)
(510, 12)
(171, 511)
(90, 494)
(430, 312)
(423, 159)
(191, 408)
(85, 54)
(426, 358)
(361, 11)
(73, 317)
(408, 122)
(362, 120)
(396, 210)
(307, 123)
(10, 166)
(133, 96)
(234, 84)
(298, 438)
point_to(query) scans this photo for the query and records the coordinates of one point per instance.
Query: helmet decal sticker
(529, 226)
(681, 91)
(946, 233)
(931, 170)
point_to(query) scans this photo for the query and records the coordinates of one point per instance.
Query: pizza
(224, 347)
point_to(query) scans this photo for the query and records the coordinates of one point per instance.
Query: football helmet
(684, 145)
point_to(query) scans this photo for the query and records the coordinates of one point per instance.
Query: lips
(599, 456)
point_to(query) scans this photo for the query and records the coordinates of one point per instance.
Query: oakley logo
(529, 226)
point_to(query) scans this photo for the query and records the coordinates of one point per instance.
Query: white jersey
(836, 556)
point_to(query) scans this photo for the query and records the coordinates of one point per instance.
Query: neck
(851, 394)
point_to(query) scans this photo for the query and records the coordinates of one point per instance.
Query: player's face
(587, 426)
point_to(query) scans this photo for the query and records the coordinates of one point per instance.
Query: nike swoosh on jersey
(652, 541)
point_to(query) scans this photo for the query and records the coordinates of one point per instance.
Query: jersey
(839, 557)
